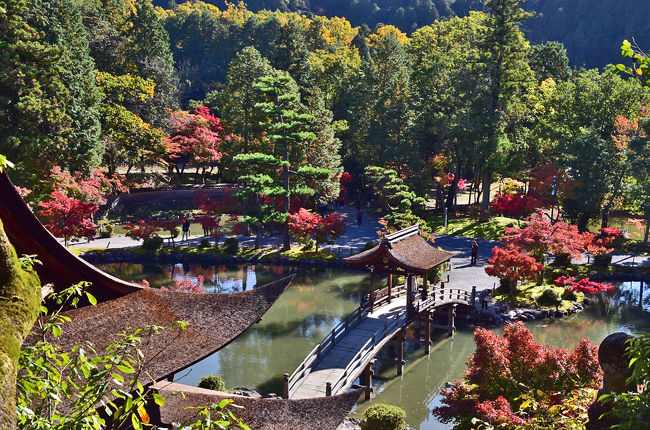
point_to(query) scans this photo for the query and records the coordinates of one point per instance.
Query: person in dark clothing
(474, 252)
(359, 217)
(186, 229)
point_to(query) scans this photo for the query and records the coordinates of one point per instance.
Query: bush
(205, 243)
(368, 245)
(175, 232)
(602, 259)
(570, 295)
(153, 243)
(308, 245)
(212, 382)
(384, 417)
(549, 297)
(231, 246)
(106, 230)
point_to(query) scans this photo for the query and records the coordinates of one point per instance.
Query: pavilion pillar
(409, 293)
(372, 289)
(427, 332)
(285, 386)
(390, 286)
(400, 352)
(452, 320)
(425, 286)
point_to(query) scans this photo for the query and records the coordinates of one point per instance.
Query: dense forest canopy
(591, 30)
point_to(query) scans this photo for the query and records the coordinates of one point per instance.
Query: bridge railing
(361, 359)
(328, 342)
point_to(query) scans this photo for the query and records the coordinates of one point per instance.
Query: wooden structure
(348, 352)
(405, 253)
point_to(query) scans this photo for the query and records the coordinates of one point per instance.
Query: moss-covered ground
(527, 295)
(470, 227)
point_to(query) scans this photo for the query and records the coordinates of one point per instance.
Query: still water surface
(317, 300)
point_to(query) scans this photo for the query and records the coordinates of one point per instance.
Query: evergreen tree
(290, 53)
(549, 60)
(237, 99)
(152, 59)
(47, 94)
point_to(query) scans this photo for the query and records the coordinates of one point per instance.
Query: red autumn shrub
(507, 374)
(510, 263)
(516, 205)
(67, 217)
(611, 231)
(141, 230)
(304, 224)
(584, 285)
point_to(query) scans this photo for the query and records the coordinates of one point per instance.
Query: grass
(470, 227)
(526, 295)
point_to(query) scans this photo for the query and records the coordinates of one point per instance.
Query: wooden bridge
(348, 351)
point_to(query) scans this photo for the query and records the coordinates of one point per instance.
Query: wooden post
(390, 286)
(368, 372)
(285, 386)
(442, 291)
(170, 378)
(452, 320)
(427, 332)
(372, 289)
(409, 293)
(425, 286)
(473, 298)
(400, 352)
(328, 389)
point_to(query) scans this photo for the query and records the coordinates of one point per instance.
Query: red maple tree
(584, 285)
(68, 217)
(304, 224)
(511, 264)
(195, 140)
(516, 205)
(141, 230)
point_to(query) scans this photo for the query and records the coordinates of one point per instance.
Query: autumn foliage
(514, 381)
(510, 263)
(304, 224)
(141, 230)
(67, 217)
(516, 205)
(540, 237)
(584, 285)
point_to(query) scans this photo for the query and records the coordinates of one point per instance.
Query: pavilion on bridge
(404, 253)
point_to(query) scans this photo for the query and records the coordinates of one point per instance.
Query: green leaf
(158, 399)
(56, 330)
(91, 298)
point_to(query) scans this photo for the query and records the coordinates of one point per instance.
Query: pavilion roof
(322, 413)
(406, 249)
(214, 320)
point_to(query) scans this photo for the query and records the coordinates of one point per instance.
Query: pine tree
(237, 99)
(290, 53)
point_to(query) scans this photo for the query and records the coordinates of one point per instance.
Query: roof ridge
(403, 233)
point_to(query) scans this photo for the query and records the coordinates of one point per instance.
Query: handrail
(439, 297)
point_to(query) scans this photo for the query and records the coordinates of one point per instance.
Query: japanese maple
(169, 225)
(141, 230)
(94, 188)
(584, 285)
(511, 264)
(304, 224)
(514, 382)
(516, 205)
(540, 237)
(611, 231)
(195, 140)
(68, 217)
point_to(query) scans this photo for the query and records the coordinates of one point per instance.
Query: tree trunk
(487, 181)
(453, 188)
(19, 307)
(647, 230)
(286, 245)
(583, 220)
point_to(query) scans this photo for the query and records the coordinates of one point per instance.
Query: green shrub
(384, 417)
(153, 243)
(176, 231)
(212, 382)
(549, 297)
(205, 243)
(308, 245)
(368, 245)
(570, 295)
(106, 230)
(231, 246)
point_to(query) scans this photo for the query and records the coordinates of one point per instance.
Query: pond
(316, 301)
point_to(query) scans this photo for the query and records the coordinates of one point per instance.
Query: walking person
(186, 229)
(474, 252)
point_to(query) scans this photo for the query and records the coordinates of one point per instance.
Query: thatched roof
(214, 320)
(320, 413)
(405, 249)
(60, 266)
